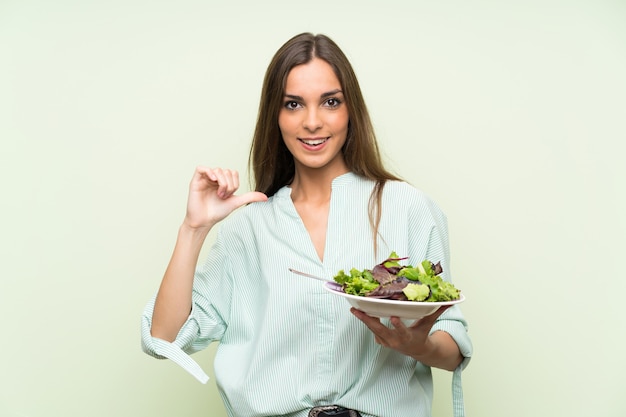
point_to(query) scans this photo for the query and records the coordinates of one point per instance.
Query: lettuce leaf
(414, 283)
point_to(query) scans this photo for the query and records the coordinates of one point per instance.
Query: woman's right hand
(212, 197)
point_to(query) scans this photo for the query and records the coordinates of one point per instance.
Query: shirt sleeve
(452, 320)
(206, 322)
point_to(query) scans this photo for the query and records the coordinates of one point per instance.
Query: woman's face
(314, 117)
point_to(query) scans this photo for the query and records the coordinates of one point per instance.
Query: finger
(220, 179)
(232, 178)
(202, 171)
(403, 334)
(373, 323)
(438, 313)
(225, 183)
(204, 177)
(397, 323)
(379, 340)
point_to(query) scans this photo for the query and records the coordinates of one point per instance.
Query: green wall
(510, 114)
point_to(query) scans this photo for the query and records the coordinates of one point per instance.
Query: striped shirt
(286, 344)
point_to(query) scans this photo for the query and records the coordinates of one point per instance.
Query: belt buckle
(332, 411)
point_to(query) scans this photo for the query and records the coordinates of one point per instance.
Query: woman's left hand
(438, 349)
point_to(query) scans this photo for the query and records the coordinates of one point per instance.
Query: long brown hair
(271, 162)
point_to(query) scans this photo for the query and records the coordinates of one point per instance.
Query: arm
(211, 199)
(173, 301)
(427, 340)
(443, 353)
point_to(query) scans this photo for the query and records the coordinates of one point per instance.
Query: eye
(292, 105)
(332, 102)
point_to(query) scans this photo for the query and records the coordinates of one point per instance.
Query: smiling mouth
(313, 142)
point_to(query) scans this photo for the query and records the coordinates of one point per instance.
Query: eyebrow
(324, 95)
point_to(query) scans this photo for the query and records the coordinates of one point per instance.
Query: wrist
(440, 351)
(194, 232)
(426, 351)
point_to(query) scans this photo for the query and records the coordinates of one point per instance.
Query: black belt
(332, 411)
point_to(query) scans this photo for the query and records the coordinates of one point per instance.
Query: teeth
(314, 142)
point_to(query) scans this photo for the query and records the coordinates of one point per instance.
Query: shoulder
(400, 195)
(402, 187)
(407, 192)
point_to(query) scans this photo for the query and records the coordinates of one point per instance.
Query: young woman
(323, 202)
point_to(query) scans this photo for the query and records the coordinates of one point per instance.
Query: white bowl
(383, 307)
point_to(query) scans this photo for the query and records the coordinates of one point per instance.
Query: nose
(312, 120)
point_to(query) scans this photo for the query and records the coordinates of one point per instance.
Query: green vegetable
(357, 283)
(440, 290)
(416, 292)
(392, 261)
(389, 279)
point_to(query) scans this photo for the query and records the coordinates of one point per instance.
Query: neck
(313, 185)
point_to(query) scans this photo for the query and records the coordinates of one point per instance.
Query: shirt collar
(341, 181)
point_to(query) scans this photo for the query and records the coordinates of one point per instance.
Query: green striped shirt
(286, 344)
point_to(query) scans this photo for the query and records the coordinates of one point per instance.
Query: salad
(391, 280)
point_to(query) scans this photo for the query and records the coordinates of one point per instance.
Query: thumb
(250, 197)
(430, 320)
